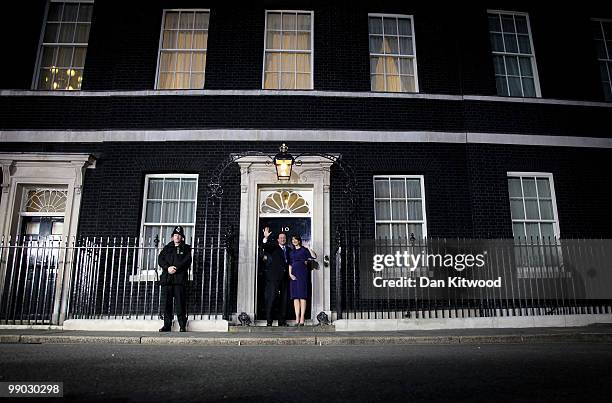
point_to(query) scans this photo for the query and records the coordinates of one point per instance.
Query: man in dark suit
(276, 275)
(175, 260)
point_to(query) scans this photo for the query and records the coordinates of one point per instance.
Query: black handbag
(312, 264)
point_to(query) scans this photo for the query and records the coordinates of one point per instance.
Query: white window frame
(311, 51)
(422, 199)
(534, 63)
(144, 274)
(41, 43)
(549, 176)
(609, 51)
(536, 271)
(414, 51)
(161, 41)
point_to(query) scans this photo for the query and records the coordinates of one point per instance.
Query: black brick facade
(300, 112)
(465, 184)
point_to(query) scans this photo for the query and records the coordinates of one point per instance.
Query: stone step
(262, 328)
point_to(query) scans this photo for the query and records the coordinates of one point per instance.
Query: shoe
(297, 325)
(183, 329)
(302, 324)
(282, 324)
(269, 324)
(165, 329)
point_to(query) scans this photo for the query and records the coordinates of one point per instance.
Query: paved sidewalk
(590, 334)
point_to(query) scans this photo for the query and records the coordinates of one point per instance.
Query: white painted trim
(37, 157)
(312, 93)
(534, 61)
(159, 45)
(526, 173)
(29, 327)
(253, 135)
(414, 51)
(257, 92)
(538, 140)
(531, 100)
(389, 15)
(143, 325)
(508, 12)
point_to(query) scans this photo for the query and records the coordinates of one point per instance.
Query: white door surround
(256, 173)
(20, 170)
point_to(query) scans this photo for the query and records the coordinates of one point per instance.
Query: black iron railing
(46, 281)
(517, 277)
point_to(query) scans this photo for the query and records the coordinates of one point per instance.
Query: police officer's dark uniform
(173, 285)
(276, 276)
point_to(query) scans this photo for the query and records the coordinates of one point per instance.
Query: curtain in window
(170, 201)
(392, 61)
(182, 57)
(287, 60)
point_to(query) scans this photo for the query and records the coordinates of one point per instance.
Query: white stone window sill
(150, 276)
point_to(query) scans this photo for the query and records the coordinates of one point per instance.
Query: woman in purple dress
(300, 277)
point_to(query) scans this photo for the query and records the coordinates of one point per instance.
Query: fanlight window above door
(284, 202)
(45, 201)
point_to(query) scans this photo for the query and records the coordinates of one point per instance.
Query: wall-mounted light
(283, 161)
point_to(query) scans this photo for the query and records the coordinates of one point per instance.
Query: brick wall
(299, 112)
(465, 185)
(20, 28)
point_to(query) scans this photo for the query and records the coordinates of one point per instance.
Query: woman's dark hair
(298, 238)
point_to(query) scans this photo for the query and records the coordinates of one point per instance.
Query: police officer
(175, 260)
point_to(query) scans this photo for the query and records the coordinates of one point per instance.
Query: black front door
(290, 226)
(30, 282)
